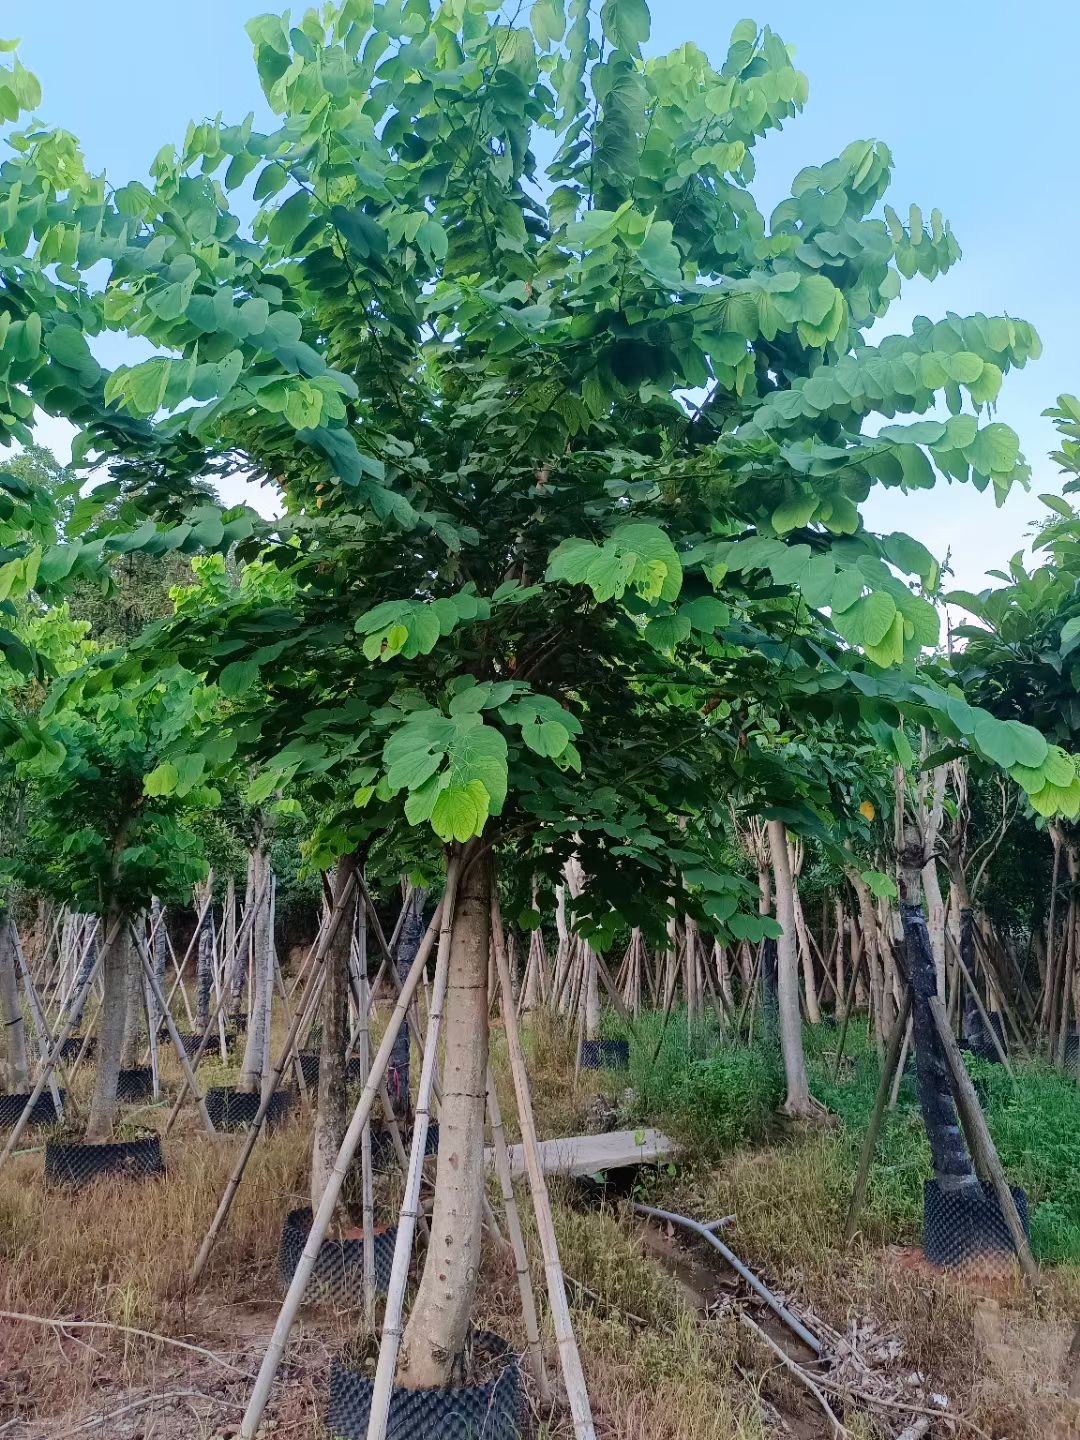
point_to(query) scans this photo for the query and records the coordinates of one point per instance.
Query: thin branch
(56, 1324)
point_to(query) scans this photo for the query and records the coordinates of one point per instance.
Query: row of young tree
(570, 587)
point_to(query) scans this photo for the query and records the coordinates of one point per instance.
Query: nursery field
(545, 919)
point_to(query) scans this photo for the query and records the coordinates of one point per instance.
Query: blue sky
(975, 101)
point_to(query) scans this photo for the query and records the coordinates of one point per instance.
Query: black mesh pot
(382, 1144)
(231, 1109)
(337, 1277)
(43, 1113)
(191, 1040)
(605, 1055)
(966, 1225)
(134, 1085)
(492, 1411)
(309, 1067)
(978, 1039)
(78, 1163)
(1072, 1052)
(73, 1044)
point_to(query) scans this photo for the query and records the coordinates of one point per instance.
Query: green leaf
(460, 812)
(162, 781)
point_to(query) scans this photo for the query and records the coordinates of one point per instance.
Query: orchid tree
(570, 453)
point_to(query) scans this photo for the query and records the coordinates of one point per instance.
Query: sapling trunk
(251, 1072)
(116, 964)
(330, 1117)
(205, 972)
(13, 1047)
(799, 1101)
(436, 1334)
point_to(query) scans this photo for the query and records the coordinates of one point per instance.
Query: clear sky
(974, 99)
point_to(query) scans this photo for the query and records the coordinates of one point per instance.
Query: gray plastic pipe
(793, 1323)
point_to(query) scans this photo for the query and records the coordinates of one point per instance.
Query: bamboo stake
(367, 1190)
(41, 1025)
(390, 1343)
(185, 1064)
(517, 1243)
(269, 1086)
(54, 1053)
(978, 1135)
(321, 1221)
(573, 1375)
(892, 1058)
(245, 925)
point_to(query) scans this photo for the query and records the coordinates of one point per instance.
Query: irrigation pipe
(779, 1309)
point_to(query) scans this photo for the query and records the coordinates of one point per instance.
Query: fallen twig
(800, 1374)
(142, 1404)
(57, 1324)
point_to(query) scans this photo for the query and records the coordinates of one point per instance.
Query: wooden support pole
(892, 1061)
(269, 1085)
(983, 1149)
(54, 1054)
(170, 1024)
(573, 1374)
(517, 1243)
(321, 1220)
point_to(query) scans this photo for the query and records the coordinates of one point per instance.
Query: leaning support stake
(517, 1243)
(570, 1359)
(978, 1137)
(890, 1067)
(54, 1054)
(181, 1053)
(267, 1093)
(390, 1343)
(321, 1221)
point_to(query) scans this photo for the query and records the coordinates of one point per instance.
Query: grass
(656, 1370)
(716, 1096)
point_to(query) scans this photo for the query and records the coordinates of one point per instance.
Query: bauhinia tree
(100, 837)
(534, 591)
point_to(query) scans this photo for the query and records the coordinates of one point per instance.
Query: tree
(534, 593)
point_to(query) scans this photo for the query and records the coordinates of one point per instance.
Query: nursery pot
(382, 1143)
(605, 1055)
(489, 1411)
(43, 1113)
(337, 1277)
(74, 1043)
(135, 1085)
(977, 1037)
(309, 1068)
(231, 1109)
(191, 1040)
(79, 1162)
(966, 1225)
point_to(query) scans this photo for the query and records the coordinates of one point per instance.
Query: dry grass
(656, 1369)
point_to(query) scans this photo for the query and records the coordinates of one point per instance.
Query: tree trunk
(952, 1166)
(251, 1073)
(935, 921)
(205, 972)
(799, 1101)
(14, 1073)
(330, 1115)
(116, 967)
(438, 1327)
